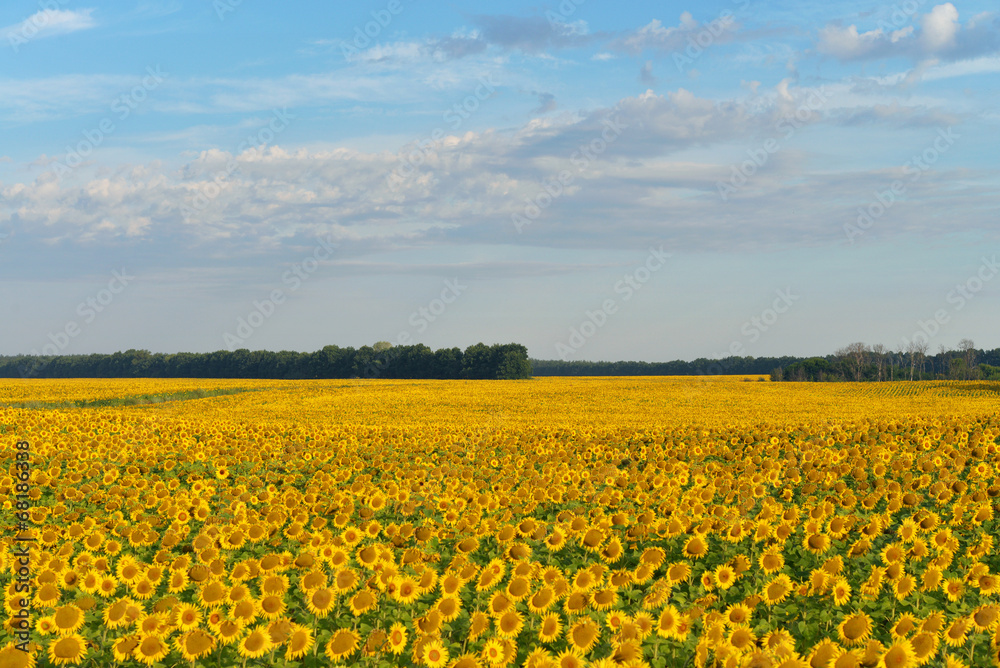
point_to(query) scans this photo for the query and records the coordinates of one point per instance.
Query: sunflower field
(562, 522)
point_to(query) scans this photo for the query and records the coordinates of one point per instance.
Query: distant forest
(383, 360)
(699, 367)
(861, 362)
(856, 362)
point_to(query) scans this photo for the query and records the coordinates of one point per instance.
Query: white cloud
(466, 188)
(48, 23)
(654, 36)
(939, 28)
(940, 36)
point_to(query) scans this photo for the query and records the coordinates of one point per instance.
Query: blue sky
(595, 180)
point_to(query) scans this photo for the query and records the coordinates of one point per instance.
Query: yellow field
(570, 522)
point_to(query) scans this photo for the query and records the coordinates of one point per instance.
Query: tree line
(383, 360)
(875, 363)
(698, 367)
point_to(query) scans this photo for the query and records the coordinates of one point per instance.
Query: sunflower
(275, 583)
(570, 659)
(194, 644)
(841, 592)
(779, 642)
(299, 642)
(255, 644)
(342, 644)
(678, 572)
(654, 556)
(407, 590)
(742, 638)
(46, 626)
(956, 632)
(737, 614)
(124, 647)
(612, 551)
(151, 648)
(153, 624)
(494, 652)
(434, 654)
(988, 584)
(953, 588)
(925, 646)
(509, 623)
(816, 543)
(931, 578)
(537, 658)
(177, 582)
(695, 547)
(986, 617)
(313, 579)
(777, 589)
(272, 606)
(279, 630)
(212, 594)
(952, 661)
(855, 629)
(823, 652)
(550, 627)
(583, 635)
(491, 575)
(604, 599)
(771, 561)
(397, 638)
(725, 576)
(898, 655)
(346, 580)
(14, 657)
(228, 631)
(556, 540)
(246, 611)
(237, 593)
(542, 599)
(666, 626)
(67, 650)
(68, 619)
(449, 608)
(819, 581)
